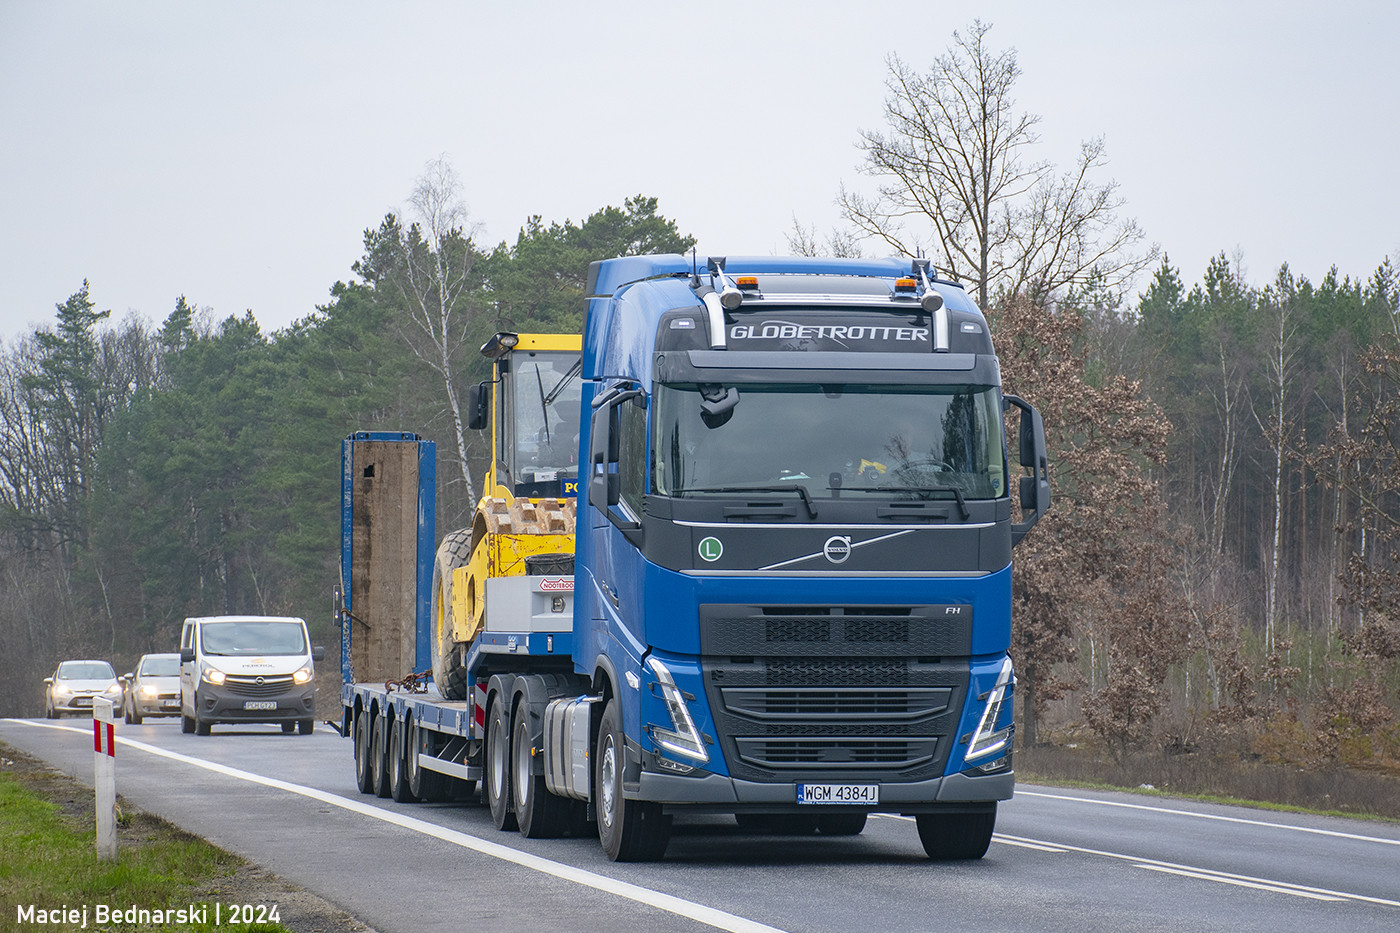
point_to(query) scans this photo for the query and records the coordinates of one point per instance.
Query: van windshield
(245, 638)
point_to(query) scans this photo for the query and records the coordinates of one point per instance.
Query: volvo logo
(837, 549)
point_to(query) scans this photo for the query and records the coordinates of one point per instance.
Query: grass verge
(50, 869)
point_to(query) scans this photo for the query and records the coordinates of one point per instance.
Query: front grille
(835, 693)
(260, 686)
(884, 754)
(837, 702)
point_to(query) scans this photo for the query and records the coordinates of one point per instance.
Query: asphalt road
(1062, 860)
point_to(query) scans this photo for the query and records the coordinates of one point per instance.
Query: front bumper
(165, 704)
(232, 703)
(82, 702)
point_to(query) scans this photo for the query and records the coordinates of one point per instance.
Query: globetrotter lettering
(786, 330)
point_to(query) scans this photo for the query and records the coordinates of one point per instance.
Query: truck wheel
(422, 783)
(630, 830)
(540, 814)
(497, 770)
(379, 755)
(949, 836)
(448, 671)
(364, 774)
(398, 777)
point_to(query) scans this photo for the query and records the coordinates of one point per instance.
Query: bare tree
(955, 157)
(804, 241)
(429, 268)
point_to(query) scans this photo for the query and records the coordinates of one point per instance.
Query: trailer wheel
(398, 776)
(630, 830)
(379, 755)
(539, 814)
(497, 770)
(449, 673)
(949, 836)
(364, 774)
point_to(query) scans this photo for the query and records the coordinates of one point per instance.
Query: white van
(247, 669)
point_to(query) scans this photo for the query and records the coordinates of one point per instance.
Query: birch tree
(956, 178)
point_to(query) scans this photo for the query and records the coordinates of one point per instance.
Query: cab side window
(632, 461)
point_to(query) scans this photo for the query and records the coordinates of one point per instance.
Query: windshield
(86, 670)
(902, 442)
(543, 427)
(245, 638)
(164, 666)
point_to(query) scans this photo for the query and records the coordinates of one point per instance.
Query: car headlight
(61, 690)
(302, 676)
(115, 689)
(213, 676)
(149, 690)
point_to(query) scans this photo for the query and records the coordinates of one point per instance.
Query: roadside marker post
(104, 748)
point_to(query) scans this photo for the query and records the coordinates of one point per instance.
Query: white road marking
(1208, 873)
(701, 913)
(1211, 816)
(1224, 879)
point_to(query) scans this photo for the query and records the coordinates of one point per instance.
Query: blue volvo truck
(747, 550)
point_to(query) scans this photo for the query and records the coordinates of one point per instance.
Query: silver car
(153, 689)
(75, 684)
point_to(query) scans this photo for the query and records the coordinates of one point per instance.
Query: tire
(129, 714)
(364, 774)
(186, 724)
(49, 712)
(379, 755)
(306, 726)
(422, 783)
(841, 824)
(538, 813)
(200, 726)
(288, 728)
(629, 830)
(398, 776)
(448, 671)
(951, 836)
(497, 767)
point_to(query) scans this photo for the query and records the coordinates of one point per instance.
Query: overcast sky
(236, 152)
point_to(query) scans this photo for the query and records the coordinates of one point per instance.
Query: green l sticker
(711, 549)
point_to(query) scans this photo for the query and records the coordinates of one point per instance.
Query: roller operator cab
(793, 569)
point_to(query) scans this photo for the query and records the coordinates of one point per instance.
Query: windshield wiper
(790, 487)
(957, 493)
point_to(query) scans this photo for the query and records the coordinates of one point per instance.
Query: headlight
(61, 690)
(988, 739)
(149, 690)
(213, 676)
(302, 676)
(684, 738)
(115, 689)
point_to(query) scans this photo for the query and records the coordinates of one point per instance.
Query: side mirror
(49, 681)
(128, 675)
(318, 653)
(479, 406)
(1034, 489)
(186, 655)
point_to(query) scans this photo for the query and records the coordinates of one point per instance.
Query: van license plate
(259, 704)
(838, 793)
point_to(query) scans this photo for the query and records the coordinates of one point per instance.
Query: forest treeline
(1221, 564)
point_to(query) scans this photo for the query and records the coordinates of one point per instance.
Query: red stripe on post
(111, 740)
(96, 736)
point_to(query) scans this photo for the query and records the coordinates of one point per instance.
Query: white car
(153, 689)
(75, 684)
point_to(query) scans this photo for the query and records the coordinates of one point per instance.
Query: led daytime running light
(985, 741)
(684, 739)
